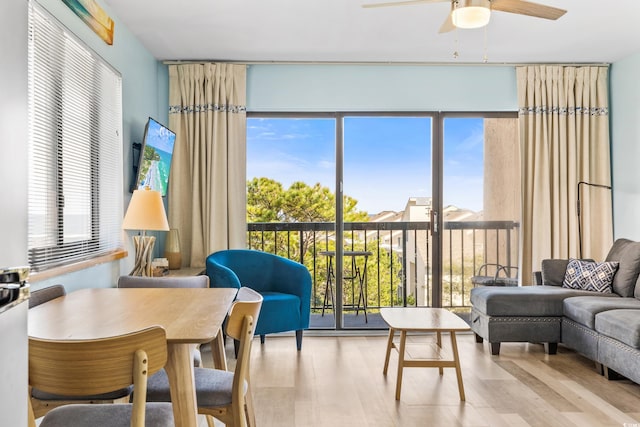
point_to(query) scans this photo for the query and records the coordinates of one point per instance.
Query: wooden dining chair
(43, 402)
(200, 281)
(222, 394)
(85, 367)
(43, 295)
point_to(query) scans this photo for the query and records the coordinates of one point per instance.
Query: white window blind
(75, 148)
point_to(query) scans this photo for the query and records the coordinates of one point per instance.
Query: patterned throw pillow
(590, 276)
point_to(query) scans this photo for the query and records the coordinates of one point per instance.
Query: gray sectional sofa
(604, 327)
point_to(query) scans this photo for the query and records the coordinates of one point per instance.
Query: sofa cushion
(622, 325)
(583, 310)
(535, 301)
(627, 253)
(590, 276)
(637, 291)
(553, 271)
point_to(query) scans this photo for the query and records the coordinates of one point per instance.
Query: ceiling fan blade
(401, 3)
(447, 25)
(522, 7)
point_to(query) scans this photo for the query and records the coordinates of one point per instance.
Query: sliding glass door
(384, 209)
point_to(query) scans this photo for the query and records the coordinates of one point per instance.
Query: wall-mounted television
(155, 157)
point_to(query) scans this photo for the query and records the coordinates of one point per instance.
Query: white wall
(145, 94)
(13, 204)
(13, 133)
(625, 141)
(380, 88)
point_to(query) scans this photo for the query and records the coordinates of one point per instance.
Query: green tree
(269, 201)
(264, 200)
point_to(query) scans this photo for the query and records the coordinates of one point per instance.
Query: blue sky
(386, 159)
(160, 137)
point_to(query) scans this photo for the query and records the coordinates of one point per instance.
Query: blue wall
(380, 88)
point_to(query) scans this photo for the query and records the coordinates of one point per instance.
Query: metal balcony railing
(399, 270)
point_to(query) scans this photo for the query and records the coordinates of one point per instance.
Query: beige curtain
(207, 188)
(564, 133)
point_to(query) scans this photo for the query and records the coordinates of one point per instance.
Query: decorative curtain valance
(207, 189)
(564, 134)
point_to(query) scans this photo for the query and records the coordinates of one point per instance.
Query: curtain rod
(390, 63)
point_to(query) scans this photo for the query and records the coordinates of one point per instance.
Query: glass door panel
(386, 208)
(291, 197)
(481, 210)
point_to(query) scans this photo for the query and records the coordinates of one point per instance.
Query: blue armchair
(285, 286)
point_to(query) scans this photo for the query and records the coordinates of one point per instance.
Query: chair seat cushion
(280, 312)
(197, 358)
(118, 394)
(213, 387)
(107, 415)
(493, 281)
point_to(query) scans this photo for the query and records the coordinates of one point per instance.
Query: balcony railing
(399, 270)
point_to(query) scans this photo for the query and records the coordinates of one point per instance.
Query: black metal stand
(578, 210)
(135, 159)
(359, 278)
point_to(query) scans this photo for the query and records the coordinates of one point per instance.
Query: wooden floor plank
(605, 411)
(338, 381)
(514, 420)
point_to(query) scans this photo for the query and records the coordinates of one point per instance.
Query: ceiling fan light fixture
(470, 13)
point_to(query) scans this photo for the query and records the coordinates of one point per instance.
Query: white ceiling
(592, 31)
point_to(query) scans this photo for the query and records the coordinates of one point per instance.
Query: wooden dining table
(190, 316)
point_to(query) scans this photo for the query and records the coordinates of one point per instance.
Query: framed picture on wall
(94, 16)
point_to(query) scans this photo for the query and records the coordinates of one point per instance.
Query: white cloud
(325, 164)
(474, 141)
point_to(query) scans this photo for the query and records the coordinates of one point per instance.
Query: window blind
(75, 148)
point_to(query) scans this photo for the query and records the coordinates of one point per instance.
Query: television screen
(155, 157)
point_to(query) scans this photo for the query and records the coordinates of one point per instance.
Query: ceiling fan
(476, 13)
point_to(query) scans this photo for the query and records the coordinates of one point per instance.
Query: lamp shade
(145, 212)
(471, 13)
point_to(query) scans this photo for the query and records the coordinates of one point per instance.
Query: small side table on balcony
(359, 277)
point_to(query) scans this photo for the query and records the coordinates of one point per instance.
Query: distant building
(464, 249)
(419, 244)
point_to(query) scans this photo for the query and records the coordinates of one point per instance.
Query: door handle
(434, 222)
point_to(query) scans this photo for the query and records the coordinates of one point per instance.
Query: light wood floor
(338, 381)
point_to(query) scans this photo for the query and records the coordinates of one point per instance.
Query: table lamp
(145, 212)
